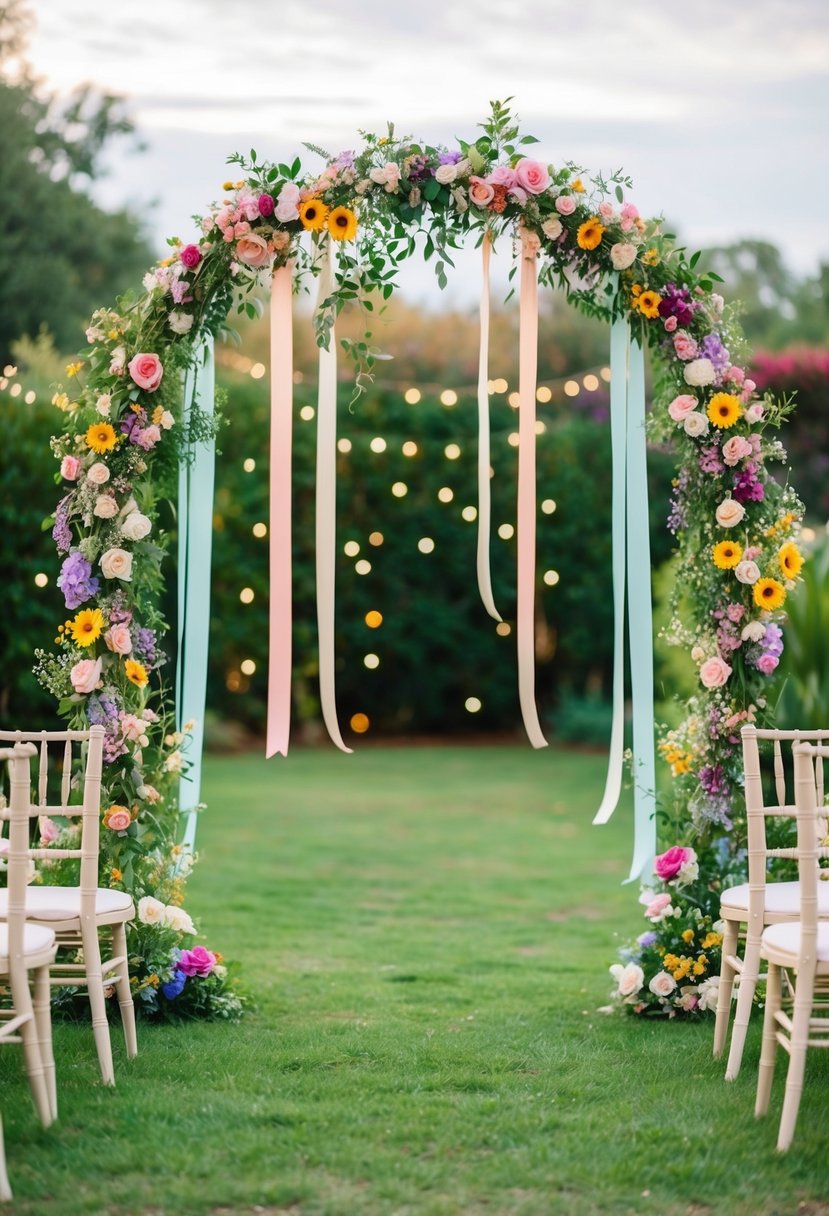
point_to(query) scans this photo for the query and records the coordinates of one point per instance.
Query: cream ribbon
(484, 487)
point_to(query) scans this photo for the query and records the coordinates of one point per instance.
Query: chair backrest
(18, 759)
(781, 804)
(56, 748)
(806, 758)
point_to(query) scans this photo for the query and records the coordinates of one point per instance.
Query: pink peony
(70, 467)
(502, 176)
(118, 639)
(714, 672)
(86, 675)
(149, 437)
(682, 406)
(480, 192)
(668, 865)
(657, 906)
(532, 176)
(197, 961)
(735, 449)
(565, 204)
(767, 663)
(253, 250)
(287, 205)
(146, 370)
(685, 346)
(190, 256)
(670, 324)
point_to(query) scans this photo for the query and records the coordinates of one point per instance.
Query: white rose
(174, 762)
(754, 631)
(662, 984)
(695, 425)
(444, 174)
(105, 506)
(628, 979)
(730, 513)
(151, 911)
(708, 993)
(552, 228)
(102, 404)
(689, 872)
(747, 572)
(622, 255)
(178, 920)
(117, 563)
(697, 654)
(166, 420)
(136, 526)
(98, 473)
(149, 282)
(377, 175)
(118, 363)
(755, 412)
(699, 372)
(180, 322)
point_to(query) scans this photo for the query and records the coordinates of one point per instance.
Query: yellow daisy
(101, 437)
(791, 559)
(136, 672)
(313, 214)
(727, 554)
(648, 303)
(342, 224)
(590, 233)
(769, 594)
(87, 626)
(724, 409)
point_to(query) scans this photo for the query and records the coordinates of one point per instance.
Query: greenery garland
(735, 525)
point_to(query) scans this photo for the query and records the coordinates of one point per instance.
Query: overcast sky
(717, 110)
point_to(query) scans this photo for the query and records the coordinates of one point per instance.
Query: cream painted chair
(77, 914)
(800, 950)
(26, 954)
(751, 906)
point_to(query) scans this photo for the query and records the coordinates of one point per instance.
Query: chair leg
(5, 1189)
(803, 995)
(43, 1021)
(745, 999)
(22, 998)
(119, 949)
(765, 1073)
(97, 1001)
(725, 988)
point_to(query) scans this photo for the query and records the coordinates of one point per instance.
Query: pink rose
(681, 407)
(70, 467)
(98, 473)
(118, 639)
(670, 324)
(149, 437)
(657, 906)
(85, 675)
(629, 215)
(502, 176)
(519, 194)
(197, 961)
(117, 819)
(767, 663)
(606, 212)
(622, 255)
(755, 412)
(287, 205)
(714, 672)
(565, 204)
(146, 370)
(49, 830)
(265, 205)
(480, 192)
(253, 250)
(668, 865)
(735, 449)
(532, 176)
(685, 346)
(729, 513)
(735, 375)
(190, 256)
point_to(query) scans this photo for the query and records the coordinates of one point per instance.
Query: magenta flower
(190, 256)
(668, 865)
(197, 961)
(265, 205)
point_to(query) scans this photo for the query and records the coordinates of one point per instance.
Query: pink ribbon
(527, 380)
(280, 624)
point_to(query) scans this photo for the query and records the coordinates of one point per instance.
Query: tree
(60, 254)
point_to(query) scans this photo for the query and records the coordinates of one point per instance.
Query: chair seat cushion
(781, 898)
(785, 939)
(36, 938)
(64, 903)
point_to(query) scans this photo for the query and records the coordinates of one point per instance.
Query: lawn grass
(427, 932)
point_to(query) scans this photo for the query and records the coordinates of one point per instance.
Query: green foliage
(804, 667)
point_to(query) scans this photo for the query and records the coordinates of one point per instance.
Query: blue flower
(175, 986)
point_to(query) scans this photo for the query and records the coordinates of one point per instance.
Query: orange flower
(648, 303)
(136, 673)
(590, 233)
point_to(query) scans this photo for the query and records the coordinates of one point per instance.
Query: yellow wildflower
(72, 369)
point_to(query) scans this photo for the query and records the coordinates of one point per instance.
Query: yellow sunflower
(724, 409)
(101, 437)
(590, 233)
(136, 672)
(727, 554)
(87, 626)
(313, 214)
(648, 303)
(577, 186)
(791, 559)
(769, 594)
(342, 224)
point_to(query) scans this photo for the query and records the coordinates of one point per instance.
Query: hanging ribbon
(280, 624)
(326, 508)
(631, 563)
(527, 379)
(195, 535)
(484, 488)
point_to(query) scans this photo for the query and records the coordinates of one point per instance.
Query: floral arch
(138, 409)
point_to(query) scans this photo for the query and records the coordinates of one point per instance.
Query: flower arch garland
(126, 433)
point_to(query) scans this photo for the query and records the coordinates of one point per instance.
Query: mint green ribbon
(631, 566)
(195, 536)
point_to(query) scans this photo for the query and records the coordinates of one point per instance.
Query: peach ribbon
(527, 380)
(280, 622)
(326, 509)
(484, 489)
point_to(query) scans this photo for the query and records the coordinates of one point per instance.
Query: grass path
(427, 932)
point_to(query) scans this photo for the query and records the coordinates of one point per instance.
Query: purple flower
(677, 302)
(712, 348)
(709, 459)
(647, 939)
(773, 640)
(145, 646)
(678, 517)
(418, 168)
(61, 533)
(746, 486)
(131, 424)
(178, 290)
(448, 158)
(76, 582)
(345, 160)
(712, 779)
